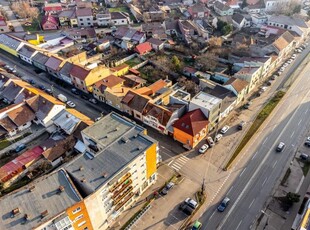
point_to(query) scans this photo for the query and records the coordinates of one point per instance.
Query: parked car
(84, 97)
(98, 118)
(167, 188)
(260, 92)
(247, 105)
(42, 87)
(75, 91)
(210, 142)
(264, 88)
(184, 207)
(282, 69)
(70, 104)
(62, 98)
(223, 204)
(273, 77)
(203, 148)
(304, 156)
(192, 203)
(224, 129)
(280, 147)
(218, 137)
(269, 83)
(197, 225)
(93, 100)
(241, 125)
(307, 143)
(31, 82)
(48, 91)
(20, 148)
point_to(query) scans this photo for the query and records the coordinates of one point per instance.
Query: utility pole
(203, 187)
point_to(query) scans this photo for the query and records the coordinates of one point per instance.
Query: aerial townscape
(154, 115)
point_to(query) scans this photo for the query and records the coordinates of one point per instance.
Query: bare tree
(24, 10)
(215, 42)
(190, 86)
(208, 61)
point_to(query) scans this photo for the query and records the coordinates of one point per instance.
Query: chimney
(26, 217)
(14, 212)
(61, 188)
(31, 188)
(104, 174)
(83, 180)
(81, 168)
(44, 214)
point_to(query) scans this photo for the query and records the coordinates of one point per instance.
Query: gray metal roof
(123, 145)
(26, 51)
(9, 41)
(45, 196)
(66, 68)
(40, 58)
(286, 20)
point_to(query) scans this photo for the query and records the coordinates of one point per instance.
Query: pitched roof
(26, 51)
(9, 41)
(155, 41)
(53, 7)
(287, 20)
(66, 13)
(110, 81)
(237, 18)
(120, 67)
(40, 58)
(160, 113)
(158, 85)
(135, 101)
(41, 106)
(53, 63)
(283, 41)
(192, 122)
(198, 7)
(79, 72)
(66, 68)
(81, 116)
(21, 115)
(118, 15)
(84, 12)
(221, 6)
(143, 48)
(49, 18)
(7, 124)
(237, 84)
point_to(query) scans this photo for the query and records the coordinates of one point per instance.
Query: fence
(143, 211)
(140, 65)
(125, 59)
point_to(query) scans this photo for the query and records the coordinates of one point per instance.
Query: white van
(62, 98)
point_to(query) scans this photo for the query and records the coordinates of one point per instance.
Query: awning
(80, 147)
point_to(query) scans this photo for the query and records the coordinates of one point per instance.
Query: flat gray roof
(44, 196)
(123, 146)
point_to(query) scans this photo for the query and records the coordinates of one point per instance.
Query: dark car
(307, 143)
(20, 148)
(186, 209)
(75, 91)
(84, 97)
(304, 156)
(30, 81)
(42, 87)
(48, 91)
(167, 188)
(247, 105)
(241, 125)
(223, 204)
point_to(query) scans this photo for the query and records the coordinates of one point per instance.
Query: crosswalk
(177, 164)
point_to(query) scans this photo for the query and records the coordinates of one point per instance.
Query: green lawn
(34, 26)
(133, 62)
(262, 116)
(119, 9)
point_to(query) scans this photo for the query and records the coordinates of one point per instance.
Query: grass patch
(262, 116)
(16, 185)
(286, 176)
(5, 143)
(34, 25)
(119, 9)
(306, 168)
(133, 62)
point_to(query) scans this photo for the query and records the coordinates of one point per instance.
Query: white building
(84, 17)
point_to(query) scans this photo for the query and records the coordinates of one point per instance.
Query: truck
(62, 98)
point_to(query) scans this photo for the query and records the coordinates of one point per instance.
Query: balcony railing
(128, 190)
(124, 186)
(124, 202)
(117, 184)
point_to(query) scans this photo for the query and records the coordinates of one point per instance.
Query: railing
(116, 201)
(125, 177)
(124, 202)
(124, 186)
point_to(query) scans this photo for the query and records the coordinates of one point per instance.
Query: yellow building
(120, 70)
(124, 167)
(39, 39)
(10, 44)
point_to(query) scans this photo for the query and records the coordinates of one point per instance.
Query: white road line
(230, 190)
(176, 168)
(239, 224)
(274, 164)
(306, 111)
(265, 140)
(212, 215)
(183, 160)
(177, 164)
(264, 182)
(242, 172)
(170, 163)
(254, 155)
(292, 134)
(252, 203)
(299, 122)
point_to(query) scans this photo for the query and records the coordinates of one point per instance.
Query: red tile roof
(192, 122)
(21, 115)
(49, 18)
(143, 48)
(110, 81)
(79, 72)
(157, 85)
(53, 7)
(161, 114)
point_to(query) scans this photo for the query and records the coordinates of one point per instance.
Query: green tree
(227, 29)
(176, 62)
(296, 9)
(244, 4)
(292, 197)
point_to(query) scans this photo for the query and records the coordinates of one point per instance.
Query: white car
(70, 104)
(308, 139)
(224, 129)
(285, 65)
(294, 55)
(218, 137)
(282, 69)
(93, 100)
(264, 88)
(192, 203)
(203, 148)
(289, 61)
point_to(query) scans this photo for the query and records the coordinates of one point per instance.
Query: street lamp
(267, 223)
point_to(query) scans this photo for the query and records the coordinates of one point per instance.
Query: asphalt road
(168, 148)
(254, 185)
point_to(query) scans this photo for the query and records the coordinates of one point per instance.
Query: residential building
(133, 81)
(12, 92)
(239, 87)
(134, 104)
(143, 48)
(156, 44)
(153, 14)
(111, 3)
(191, 128)
(209, 105)
(250, 74)
(80, 35)
(10, 44)
(277, 5)
(114, 96)
(120, 18)
(65, 16)
(52, 8)
(110, 81)
(84, 78)
(198, 10)
(3, 25)
(222, 9)
(256, 8)
(297, 25)
(39, 60)
(64, 72)
(259, 19)
(53, 65)
(49, 22)
(103, 18)
(117, 167)
(26, 53)
(84, 17)
(180, 96)
(63, 208)
(127, 38)
(240, 21)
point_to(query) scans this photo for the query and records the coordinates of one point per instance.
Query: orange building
(191, 128)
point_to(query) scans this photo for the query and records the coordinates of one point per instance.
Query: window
(76, 210)
(88, 19)
(79, 217)
(81, 19)
(82, 24)
(82, 223)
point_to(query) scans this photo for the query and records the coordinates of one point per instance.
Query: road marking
(170, 163)
(299, 122)
(183, 159)
(254, 155)
(292, 134)
(212, 215)
(175, 167)
(177, 164)
(230, 190)
(265, 140)
(239, 224)
(242, 172)
(306, 111)
(252, 203)
(264, 182)
(274, 164)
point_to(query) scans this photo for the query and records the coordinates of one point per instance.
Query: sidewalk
(164, 174)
